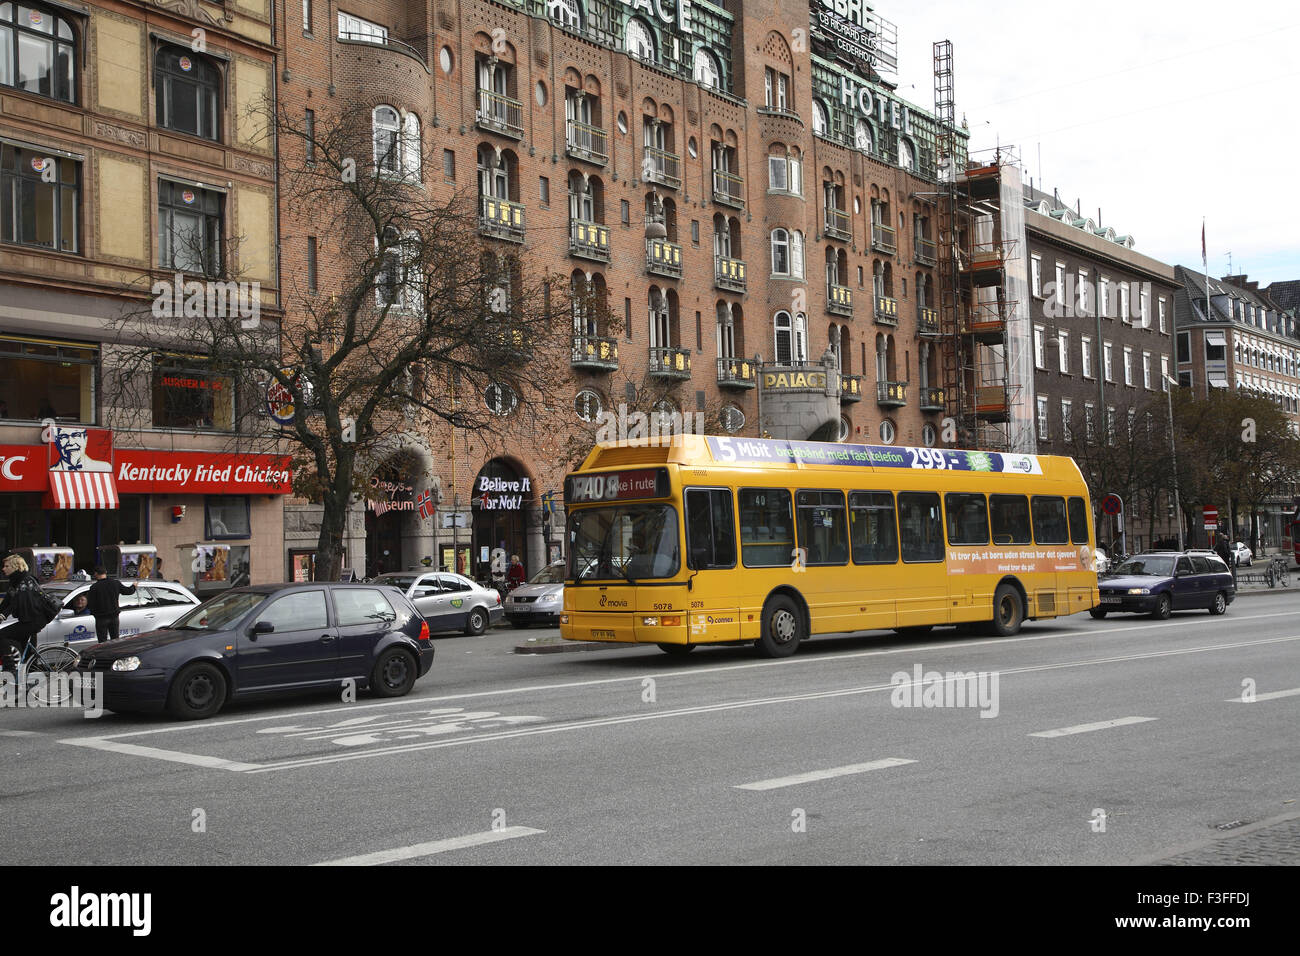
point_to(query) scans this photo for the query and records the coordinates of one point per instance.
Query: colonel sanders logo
(81, 449)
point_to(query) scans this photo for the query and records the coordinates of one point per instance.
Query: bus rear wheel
(1008, 611)
(782, 628)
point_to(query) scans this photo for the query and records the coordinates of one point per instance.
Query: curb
(568, 647)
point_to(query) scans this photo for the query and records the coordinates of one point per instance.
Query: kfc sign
(145, 471)
(20, 469)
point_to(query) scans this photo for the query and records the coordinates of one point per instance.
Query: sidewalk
(1260, 586)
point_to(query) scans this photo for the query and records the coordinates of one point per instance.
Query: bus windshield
(625, 542)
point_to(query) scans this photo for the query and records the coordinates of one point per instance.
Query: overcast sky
(1159, 113)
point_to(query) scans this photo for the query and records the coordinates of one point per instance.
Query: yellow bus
(709, 540)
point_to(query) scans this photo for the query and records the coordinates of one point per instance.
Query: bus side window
(766, 527)
(874, 536)
(920, 526)
(710, 529)
(968, 519)
(822, 531)
(1050, 525)
(1078, 521)
(1010, 519)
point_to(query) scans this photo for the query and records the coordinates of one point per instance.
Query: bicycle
(36, 668)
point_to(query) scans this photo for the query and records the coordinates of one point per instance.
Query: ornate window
(706, 70)
(188, 92)
(639, 41)
(37, 52)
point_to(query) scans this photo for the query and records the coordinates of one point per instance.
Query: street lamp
(1173, 455)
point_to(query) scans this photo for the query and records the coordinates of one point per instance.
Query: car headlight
(126, 664)
(1139, 590)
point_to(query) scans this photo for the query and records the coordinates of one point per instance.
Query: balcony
(838, 225)
(501, 218)
(839, 300)
(406, 49)
(595, 353)
(991, 403)
(927, 320)
(587, 143)
(883, 238)
(589, 240)
(728, 189)
(850, 389)
(736, 373)
(729, 273)
(506, 343)
(886, 310)
(663, 168)
(931, 399)
(500, 114)
(663, 258)
(670, 363)
(926, 253)
(891, 394)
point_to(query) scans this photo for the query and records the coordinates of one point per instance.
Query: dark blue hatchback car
(1159, 582)
(264, 640)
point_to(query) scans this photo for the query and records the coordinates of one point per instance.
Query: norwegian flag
(424, 502)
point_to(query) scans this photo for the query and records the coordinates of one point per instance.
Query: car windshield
(220, 612)
(552, 574)
(627, 542)
(400, 581)
(1148, 565)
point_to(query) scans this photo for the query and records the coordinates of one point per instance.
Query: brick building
(129, 157)
(739, 183)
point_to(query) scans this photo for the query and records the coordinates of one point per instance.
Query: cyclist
(27, 603)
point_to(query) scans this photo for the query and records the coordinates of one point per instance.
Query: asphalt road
(628, 756)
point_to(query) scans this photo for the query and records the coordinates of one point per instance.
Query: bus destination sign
(763, 451)
(616, 486)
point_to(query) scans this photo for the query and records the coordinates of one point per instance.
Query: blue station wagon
(1160, 582)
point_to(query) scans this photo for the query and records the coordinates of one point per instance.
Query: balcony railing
(670, 363)
(663, 168)
(663, 258)
(931, 399)
(736, 373)
(500, 114)
(839, 299)
(891, 394)
(595, 352)
(838, 225)
(883, 238)
(590, 240)
(501, 218)
(927, 320)
(850, 388)
(352, 36)
(886, 310)
(588, 143)
(926, 254)
(729, 273)
(728, 189)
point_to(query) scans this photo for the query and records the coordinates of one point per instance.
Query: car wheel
(394, 673)
(1220, 604)
(477, 622)
(1098, 613)
(782, 628)
(1008, 611)
(197, 692)
(1163, 607)
(677, 650)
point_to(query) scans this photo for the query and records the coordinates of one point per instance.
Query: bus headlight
(650, 621)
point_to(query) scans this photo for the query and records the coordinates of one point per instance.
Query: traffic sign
(1112, 505)
(1211, 517)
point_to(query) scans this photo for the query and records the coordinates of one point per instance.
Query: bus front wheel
(782, 628)
(1008, 611)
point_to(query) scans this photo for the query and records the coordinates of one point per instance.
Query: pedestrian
(516, 576)
(31, 608)
(103, 603)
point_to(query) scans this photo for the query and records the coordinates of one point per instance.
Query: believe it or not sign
(501, 494)
(142, 471)
(781, 381)
(857, 33)
(1211, 517)
(616, 486)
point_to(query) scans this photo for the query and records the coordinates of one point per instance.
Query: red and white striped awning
(81, 489)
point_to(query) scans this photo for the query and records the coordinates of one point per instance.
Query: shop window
(40, 199)
(37, 51)
(226, 516)
(186, 394)
(189, 228)
(188, 88)
(41, 378)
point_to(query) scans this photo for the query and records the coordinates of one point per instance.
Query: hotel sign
(667, 14)
(854, 34)
(782, 381)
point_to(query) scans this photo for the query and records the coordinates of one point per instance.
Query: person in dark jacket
(22, 600)
(103, 603)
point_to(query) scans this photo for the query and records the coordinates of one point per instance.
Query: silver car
(540, 600)
(449, 602)
(154, 604)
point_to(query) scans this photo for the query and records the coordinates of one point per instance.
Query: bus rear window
(823, 533)
(920, 526)
(872, 531)
(766, 528)
(968, 519)
(1078, 521)
(1010, 514)
(1050, 525)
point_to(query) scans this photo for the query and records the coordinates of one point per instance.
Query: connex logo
(77, 909)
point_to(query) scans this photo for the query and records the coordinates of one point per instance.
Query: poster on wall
(214, 562)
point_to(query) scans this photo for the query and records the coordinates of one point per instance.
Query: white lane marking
(175, 756)
(1088, 728)
(854, 768)
(418, 850)
(835, 659)
(1271, 695)
(22, 733)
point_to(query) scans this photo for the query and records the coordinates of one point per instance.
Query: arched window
(785, 170)
(862, 135)
(796, 254)
(906, 155)
(821, 120)
(783, 338)
(567, 13)
(387, 138)
(726, 332)
(639, 41)
(188, 91)
(833, 343)
(37, 52)
(661, 319)
(582, 198)
(493, 173)
(707, 72)
(780, 252)
(412, 146)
